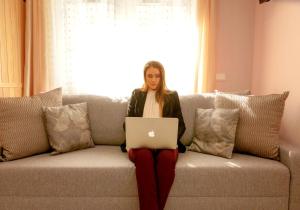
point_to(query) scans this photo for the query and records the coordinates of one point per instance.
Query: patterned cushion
(242, 92)
(68, 127)
(215, 131)
(22, 131)
(258, 127)
(106, 116)
(189, 105)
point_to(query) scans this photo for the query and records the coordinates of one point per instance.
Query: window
(107, 42)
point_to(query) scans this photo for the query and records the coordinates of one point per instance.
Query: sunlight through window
(107, 44)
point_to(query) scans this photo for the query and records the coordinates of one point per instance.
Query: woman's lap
(157, 154)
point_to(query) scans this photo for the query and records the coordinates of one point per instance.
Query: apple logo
(151, 134)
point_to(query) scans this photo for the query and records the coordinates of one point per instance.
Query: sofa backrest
(107, 115)
(189, 105)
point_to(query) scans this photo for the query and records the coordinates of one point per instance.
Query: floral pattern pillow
(68, 127)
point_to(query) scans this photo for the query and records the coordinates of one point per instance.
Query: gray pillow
(215, 131)
(68, 127)
(22, 131)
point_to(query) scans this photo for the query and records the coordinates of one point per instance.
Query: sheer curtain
(100, 46)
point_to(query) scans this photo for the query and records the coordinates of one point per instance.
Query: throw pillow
(242, 92)
(258, 127)
(22, 131)
(215, 131)
(68, 127)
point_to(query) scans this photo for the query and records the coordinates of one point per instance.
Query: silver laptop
(154, 133)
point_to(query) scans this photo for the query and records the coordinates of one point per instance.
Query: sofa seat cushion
(199, 174)
(104, 171)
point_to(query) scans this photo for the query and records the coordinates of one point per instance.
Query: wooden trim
(10, 85)
(12, 24)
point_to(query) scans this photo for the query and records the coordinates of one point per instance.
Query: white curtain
(100, 46)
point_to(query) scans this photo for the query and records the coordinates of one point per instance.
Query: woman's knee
(167, 156)
(140, 154)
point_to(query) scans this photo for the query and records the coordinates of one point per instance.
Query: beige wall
(234, 43)
(258, 48)
(276, 65)
(12, 22)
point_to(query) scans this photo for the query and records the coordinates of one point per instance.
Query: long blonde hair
(162, 88)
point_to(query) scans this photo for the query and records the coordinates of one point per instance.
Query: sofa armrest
(290, 156)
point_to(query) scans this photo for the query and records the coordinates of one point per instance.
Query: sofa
(102, 177)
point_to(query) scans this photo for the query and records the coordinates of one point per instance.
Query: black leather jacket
(171, 109)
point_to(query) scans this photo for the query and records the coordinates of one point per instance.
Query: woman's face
(153, 78)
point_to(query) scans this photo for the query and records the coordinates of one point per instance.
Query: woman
(155, 169)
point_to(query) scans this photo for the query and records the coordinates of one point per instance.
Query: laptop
(153, 133)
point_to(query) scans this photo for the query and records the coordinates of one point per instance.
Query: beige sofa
(103, 177)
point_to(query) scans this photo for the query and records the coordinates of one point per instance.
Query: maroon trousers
(155, 173)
